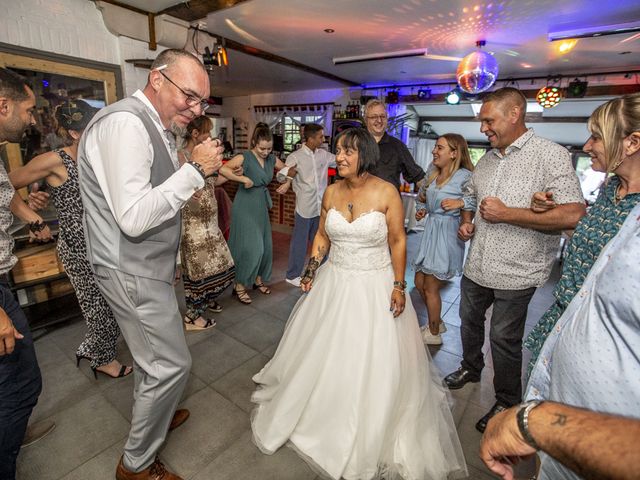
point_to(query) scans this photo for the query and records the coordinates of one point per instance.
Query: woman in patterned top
(615, 129)
(207, 266)
(59, 169)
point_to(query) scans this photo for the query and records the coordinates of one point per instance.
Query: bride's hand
(306, 284)
(397, 302)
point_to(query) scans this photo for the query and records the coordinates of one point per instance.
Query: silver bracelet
(523, 422)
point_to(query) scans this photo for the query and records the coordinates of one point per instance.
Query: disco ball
(477, 72)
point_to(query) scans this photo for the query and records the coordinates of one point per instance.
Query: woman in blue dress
(441, 252)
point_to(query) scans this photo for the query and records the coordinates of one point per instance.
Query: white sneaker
(295, 282)
(442, 328)
(429, 339)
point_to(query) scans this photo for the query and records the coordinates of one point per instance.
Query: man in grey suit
(133, 188)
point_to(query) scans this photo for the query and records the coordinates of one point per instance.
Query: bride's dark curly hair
(363, 142)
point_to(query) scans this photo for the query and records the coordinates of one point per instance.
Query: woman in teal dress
(441, 252)
(250, 238)
(615, 128)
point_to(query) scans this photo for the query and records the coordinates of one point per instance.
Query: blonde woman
(441, 252)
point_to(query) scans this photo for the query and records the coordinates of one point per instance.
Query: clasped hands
(208, 155)
(447, 204)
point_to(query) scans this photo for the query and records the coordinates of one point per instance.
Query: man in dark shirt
(394, 155)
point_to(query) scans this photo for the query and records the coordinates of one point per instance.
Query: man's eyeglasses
(376, 117)
(191, 100)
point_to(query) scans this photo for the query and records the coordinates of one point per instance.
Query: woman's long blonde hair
(458, 144)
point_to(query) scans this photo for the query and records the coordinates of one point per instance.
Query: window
(290, 128)
(590, 180)
(476, 153)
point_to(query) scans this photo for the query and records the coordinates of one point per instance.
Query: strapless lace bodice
(360, 245)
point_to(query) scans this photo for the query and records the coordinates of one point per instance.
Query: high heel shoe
(262, 288)
(122, 373)
(80, 357)
(242, 295)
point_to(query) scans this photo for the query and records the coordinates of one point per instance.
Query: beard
(178, 131)
(13, 130)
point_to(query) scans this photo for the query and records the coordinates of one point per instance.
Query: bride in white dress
(350, 386)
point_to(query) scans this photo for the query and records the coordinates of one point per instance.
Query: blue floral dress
(592, 233)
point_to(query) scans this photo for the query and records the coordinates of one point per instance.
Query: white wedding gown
(350, 387)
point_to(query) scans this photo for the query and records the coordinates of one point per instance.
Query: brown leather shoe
(179, 418)
(156, 471)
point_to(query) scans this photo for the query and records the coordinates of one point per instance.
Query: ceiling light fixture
(210, 61)
(549, 97)
(567, 45)
(420, 52)
(424, 93)
(577, 89)
(562, 33)
(453, 97)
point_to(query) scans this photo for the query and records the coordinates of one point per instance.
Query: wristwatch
(523, 421)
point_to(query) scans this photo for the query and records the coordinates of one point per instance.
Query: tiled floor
(92, 417)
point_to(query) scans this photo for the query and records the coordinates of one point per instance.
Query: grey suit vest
(151, 255)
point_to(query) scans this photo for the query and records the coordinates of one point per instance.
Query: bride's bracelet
(400, 284)
(399, 290)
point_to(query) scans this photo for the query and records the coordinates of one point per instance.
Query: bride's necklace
(350, 204)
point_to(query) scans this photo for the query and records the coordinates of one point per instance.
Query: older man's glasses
(376, 117)
(191, 100)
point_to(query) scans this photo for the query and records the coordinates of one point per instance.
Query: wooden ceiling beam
(270, 57)
(198, 9)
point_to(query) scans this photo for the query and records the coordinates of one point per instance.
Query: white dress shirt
(121, 155)
(311, 178)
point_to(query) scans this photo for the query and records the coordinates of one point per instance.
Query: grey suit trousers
(147, 312)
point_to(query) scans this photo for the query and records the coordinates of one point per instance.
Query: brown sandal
(190, 323)
(262, 288)
(243, 296)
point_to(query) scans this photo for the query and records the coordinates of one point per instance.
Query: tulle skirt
(353, 390)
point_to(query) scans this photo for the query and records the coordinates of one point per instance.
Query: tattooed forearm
(560, 419)
(313, 265)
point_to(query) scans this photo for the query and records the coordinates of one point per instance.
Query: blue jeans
(304, 229)
(20, 386)
(506, 331)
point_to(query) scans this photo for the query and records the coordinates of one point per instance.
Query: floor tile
(215, 423)
(258, 332)
(100, 467)
(243, 461)
(82, 432)
(237, 385)
(218, 355)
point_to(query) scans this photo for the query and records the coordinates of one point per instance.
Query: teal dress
(250, 237)
(592, 233)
